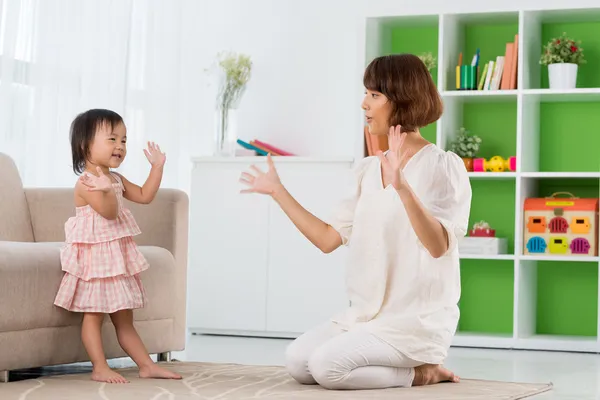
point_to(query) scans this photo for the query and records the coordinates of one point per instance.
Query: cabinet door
(228, 251)
(305, 286)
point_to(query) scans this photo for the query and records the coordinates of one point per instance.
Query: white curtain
(61, 57)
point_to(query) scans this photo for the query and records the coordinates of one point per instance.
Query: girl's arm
(99, 193)
(147, 192)
(319, 233)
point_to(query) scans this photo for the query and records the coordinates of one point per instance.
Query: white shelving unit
(528, 98)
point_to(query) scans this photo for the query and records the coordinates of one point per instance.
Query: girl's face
(377, 112)
(109, 148)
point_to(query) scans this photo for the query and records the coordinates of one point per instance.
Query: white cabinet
(251, 272)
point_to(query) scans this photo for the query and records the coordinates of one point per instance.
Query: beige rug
(229, 381)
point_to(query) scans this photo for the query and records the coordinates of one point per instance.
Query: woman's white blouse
(397, 290)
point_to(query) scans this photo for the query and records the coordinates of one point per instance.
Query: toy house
(560, 226)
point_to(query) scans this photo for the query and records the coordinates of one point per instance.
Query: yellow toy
(495, 164)
(560, 226)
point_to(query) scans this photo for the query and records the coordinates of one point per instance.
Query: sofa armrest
(29, 277)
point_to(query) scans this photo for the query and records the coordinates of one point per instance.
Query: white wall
(303, 95)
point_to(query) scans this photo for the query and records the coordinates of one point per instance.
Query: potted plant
(429, 60)
(466, 146)
(562, 55)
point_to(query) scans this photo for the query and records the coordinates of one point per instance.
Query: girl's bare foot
(105, 374)
(154, 371)
(431, 374)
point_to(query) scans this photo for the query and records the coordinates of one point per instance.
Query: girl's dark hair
(83, 130)
(406, 82)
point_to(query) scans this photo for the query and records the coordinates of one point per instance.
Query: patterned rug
(207, 381)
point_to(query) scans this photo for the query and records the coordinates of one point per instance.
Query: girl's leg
(131, 342)
(299, 351)
(359, 360)
(91, 336)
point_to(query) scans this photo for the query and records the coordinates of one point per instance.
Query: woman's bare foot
(105, 374)
(154, 371)
(431, 374)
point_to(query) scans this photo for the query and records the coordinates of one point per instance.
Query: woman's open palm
(259, 181)
(396, 158)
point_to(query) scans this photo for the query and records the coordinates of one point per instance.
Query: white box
(482, 245)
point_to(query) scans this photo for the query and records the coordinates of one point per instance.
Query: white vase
(562, 75)
(226, 132)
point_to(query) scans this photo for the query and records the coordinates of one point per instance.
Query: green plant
(562, 50)
(466, 145)
(429, 60)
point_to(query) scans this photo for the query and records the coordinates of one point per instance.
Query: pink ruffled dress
(101, 261)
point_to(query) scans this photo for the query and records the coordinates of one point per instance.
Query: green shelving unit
(545, 302)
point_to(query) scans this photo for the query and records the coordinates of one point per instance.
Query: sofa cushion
(14, 212)
(30, 274)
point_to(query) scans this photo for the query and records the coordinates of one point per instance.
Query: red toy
(482, 229)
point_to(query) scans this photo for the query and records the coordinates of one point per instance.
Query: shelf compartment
(486, 304)
(546, 187)
(494, 202)
(495, 122)
(567, 298)
(467, 32)
(569, 139)
(391, 34)
(560, 137)
(542, 26)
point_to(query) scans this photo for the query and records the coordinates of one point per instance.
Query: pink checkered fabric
(101, 261)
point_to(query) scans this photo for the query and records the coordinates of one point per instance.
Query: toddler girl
(100, 258)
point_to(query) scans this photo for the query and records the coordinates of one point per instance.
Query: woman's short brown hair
(406, 82)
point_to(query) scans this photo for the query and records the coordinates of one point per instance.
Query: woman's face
(377, 112)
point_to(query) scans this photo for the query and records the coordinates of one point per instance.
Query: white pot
(562, 75)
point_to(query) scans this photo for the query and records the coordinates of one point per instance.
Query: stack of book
(498, 74)
(262, 149)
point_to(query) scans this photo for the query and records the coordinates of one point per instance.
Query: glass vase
(226, 133)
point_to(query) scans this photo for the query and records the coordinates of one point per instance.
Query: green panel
(588, 33)
(578, 187)
(402, 40)
(486, 304)
(567, 298)
(495, 124)
(494, 201)
(570, 137)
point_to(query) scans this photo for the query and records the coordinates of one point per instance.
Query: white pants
(356, 359)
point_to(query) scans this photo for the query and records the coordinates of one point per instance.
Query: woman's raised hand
(261, 182)
(396, 159)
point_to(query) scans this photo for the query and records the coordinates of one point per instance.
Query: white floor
(575, 376)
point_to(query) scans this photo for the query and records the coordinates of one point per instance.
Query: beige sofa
(34, 332)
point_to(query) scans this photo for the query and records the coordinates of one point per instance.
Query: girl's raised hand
(100, 183)
(155, 157)
(261, 182)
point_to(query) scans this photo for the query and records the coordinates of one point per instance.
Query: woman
(401, 223)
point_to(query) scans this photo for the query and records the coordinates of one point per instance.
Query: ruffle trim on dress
(119, 257)
(106, 295)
